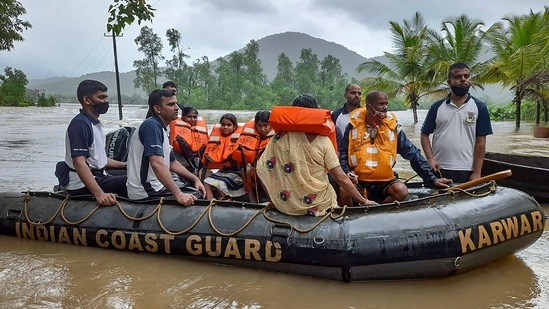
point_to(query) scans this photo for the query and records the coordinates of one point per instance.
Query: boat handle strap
(282, 230)
(14, 214)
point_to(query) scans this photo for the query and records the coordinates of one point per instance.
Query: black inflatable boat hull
(433, 236)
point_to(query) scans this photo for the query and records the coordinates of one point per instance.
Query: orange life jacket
(302, 119)
(220, 148)
(250, 144)
(194, 138)
(372, 161)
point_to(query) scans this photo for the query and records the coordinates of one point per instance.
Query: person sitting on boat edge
(262, 135)
(227, 181)
(370, 144)
(293, 169)
(151, 159)
(85, 155)
(189, 136)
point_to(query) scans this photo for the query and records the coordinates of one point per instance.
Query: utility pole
(119, 96)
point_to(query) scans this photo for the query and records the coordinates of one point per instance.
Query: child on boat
(188, 136)
(227, 181)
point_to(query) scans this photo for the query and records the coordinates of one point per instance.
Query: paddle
(469, 184)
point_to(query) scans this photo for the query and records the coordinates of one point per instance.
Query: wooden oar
(474, 182)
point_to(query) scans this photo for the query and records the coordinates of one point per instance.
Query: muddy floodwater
(35, 274)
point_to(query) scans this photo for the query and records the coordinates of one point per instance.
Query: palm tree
(540, 91)
(521, 49)
(462, 40)
(408, 72)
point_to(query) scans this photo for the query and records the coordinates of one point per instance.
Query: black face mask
(101, 108)
(460, 91)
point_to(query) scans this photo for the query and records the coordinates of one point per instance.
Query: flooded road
(36, 274)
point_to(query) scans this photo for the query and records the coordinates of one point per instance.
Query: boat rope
(78, 221)
(406, 180)
(144, 217)
(210, 220)
(212, 202)
(492, 189)
(27, 198)
(329, 214)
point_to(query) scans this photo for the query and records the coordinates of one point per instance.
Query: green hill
(291, 43)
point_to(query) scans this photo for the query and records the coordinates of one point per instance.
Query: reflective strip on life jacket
(220, 148)
(248, 143)
(195, 137)
(372, 160)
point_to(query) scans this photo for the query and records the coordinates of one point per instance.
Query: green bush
(502, 112)
(43, 101)
(507, 112)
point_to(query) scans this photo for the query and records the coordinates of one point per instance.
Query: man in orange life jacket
(371, 141)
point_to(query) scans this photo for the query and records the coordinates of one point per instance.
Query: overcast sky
(67, 35)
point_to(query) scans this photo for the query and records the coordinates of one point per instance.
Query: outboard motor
(117, 143)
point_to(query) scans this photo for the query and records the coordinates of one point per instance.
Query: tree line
(416, 72)
(237, 81)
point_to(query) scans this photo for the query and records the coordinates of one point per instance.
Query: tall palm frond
(406, 74)
(521, 54)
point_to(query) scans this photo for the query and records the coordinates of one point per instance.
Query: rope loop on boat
(142, 218)
(27, 198)
(210, 220)
(332, 212)
(307, 230)
(212, 203)
(492, 189)
(329, 214)
(79, 221)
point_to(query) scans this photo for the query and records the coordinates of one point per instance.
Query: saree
(294, 173)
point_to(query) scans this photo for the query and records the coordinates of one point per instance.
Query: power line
(79, 65)
(103, 53)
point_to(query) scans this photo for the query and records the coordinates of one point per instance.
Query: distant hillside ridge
(68, 85)
(290, 43)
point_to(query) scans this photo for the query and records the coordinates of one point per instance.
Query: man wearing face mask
(85, 148)
(460, 124)
(371, 142)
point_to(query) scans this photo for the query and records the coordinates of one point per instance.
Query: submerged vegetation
(507, 112)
